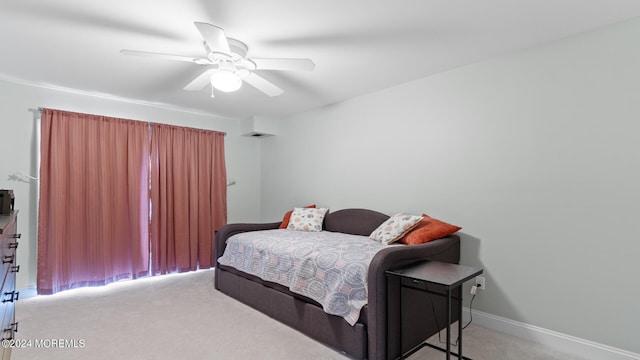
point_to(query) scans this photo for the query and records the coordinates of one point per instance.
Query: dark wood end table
(450, 277)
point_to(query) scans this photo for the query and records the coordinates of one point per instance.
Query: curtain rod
(40, 108)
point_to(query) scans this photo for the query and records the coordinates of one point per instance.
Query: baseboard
(553, 339)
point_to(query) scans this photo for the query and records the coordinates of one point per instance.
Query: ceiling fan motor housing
(235, 61)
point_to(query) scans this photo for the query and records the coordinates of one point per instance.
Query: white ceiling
(358, 46)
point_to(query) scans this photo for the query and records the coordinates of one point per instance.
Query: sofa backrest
(354, 221)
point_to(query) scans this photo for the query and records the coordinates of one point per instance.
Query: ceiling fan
(226, 63)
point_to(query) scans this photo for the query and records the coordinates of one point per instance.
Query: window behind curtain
(96, 184)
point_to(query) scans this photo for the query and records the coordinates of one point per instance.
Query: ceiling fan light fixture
(226, 80)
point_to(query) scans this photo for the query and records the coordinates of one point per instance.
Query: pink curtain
(124, 199)
(93, 213)
(188, 193)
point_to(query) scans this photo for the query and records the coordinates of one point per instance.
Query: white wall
(535, 154)
(18, 153)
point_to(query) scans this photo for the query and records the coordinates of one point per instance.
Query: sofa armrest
(446, 250)
(229, 230)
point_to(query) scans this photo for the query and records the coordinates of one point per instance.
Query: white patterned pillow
(395, 228)
(307, 219)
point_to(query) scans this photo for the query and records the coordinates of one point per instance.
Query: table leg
(400, 323)
(448, 323)
(460, 357)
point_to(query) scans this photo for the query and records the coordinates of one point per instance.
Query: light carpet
(183, 317)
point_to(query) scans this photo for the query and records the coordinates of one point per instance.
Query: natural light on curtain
(99, 178)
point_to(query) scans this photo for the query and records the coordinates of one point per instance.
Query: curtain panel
(188, 197)
(113, 208)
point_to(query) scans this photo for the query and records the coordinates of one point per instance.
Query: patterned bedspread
(328, 267)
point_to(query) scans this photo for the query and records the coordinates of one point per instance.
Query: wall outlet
(480, 284)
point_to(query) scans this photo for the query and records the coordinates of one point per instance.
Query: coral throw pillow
(287, 217)
(428, 229)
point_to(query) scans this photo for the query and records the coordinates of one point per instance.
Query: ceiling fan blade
(201, 81)
(284, 64)
(215, 37)
(164, 56)
(262, 84)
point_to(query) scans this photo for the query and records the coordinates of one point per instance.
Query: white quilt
(328, 267)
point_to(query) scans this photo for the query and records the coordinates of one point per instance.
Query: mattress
(328, 267)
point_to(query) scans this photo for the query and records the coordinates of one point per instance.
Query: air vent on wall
(257, 134)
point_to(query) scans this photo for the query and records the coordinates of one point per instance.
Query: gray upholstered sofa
(368, 338)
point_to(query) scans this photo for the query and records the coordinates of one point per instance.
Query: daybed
(368, 337)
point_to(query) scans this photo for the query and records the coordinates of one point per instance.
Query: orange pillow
(428, 229)
(287, 216)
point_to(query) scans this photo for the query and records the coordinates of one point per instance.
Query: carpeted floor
(183, 317)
